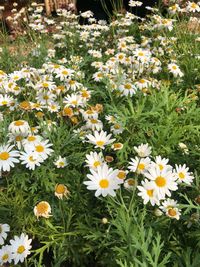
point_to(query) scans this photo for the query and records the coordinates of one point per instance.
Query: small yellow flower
(61, 191)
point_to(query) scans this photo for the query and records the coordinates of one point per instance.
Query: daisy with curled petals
(164, 181)
(170, 207)
(31, 159)
(148, 192)
(143, 150)
(4, 229)
(8, 157)
(31, 140)
(139, 165)
(94, 124)
(42, 209)
(94, 160)
(100, 139)
(20, 247)
(60, 162)
(183, 175)
(19, 126)
(103, 180)
(61, 191)
(5, 255)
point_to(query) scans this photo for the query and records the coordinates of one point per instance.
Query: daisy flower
(8, 157)
(43, 149)
(121, 176)
(183, 175)
(165, 181)
(127, 89)
(148, 192)
(20, 248)
(175, 70)
(19, 126)
(31, 140)
(4, 229)
(5, 255)
(193, 7)
(31, 159)
(61, 191)
(169, 206)
(117, 146)
(94, 160)
(100, 139)
(103, 180)
(139, 165)
(94, 124)
(60, 162)
(161, 163)
(130, 183)
(42, 209)
(143, 150)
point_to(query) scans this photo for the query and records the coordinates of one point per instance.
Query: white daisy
(20, 248)
(103, 180)
(8, 157)
(31, 159)
(165, 181)
(183, 175)
(60, 162)
(143, 150)
(169, 206)
(148, 192)
(100, 139)
(94, 160)
(139, 165)
(4, 229)
(161, 163)
(5, 255)
(42, 209)
(19, 126)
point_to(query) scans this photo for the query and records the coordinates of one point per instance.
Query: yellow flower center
(181, 175)
(121, 175)
(42, 207)
(19, 123)
(93, 121)
(160, 181)
(174, 67)
(5, 257)
(142, 81)
(61, 163)
(141, 54)
(74, 102)
(96, 164)
(160, 167)
(172, 212)
(117, 126)
(21, 249)
(104, 183)
(150, 192)
(32, 159)
(4, 103)
(100, 143)
(60, 189)
(193, 5)
(131, 182)
(65, 72)
(39, 148)
(45, 85)
(141, 166)
(4, 155)
(18, 138)
(127, 86)
(31, 138)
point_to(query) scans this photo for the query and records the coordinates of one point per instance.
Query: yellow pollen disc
(93, 121)
(71, 82)
(117, 126)
(42, 207)
(89, 112)
(21, 249)
(96, 164)
(141, 166)
(74, 102)
(160, 181)
(31, 138)
(121, 175)
(104, 183)
(174, 67)
(65, 72)
(19, 123)
(127, 86)
(142, 81)
(18, 138)
(150, 193)
(25, 105)
(193, 5)
(5, 257)
(60, 189)
(4, 102)
(160, 167)
(4, 155)
(61, 163)
(121, 57)
(117, 145)
(131, 182)
(100, 143)
(141, 54)
(172, 212)
(181, 175)
(84, 94)
(45, 97)
(32, 159)
(39, 148)
(45, 85)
